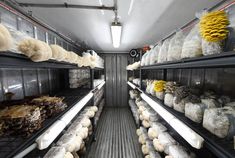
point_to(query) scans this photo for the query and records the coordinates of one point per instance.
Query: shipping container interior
(117, 79)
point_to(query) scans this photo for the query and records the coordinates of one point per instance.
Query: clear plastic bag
(68, 142)
(209, 48)
(55, 152)
(86, 57)
(133, 94)
(74, 128)
(168, 99)
(162, 55)
(146, 123)
(175, 47)
(192, 46)
(153, 154)
(143, 60)
(179, 106)
(220, 121)
(143, 137)
(148, 88)
(17, 36)
(195, 111)
(178, 151)
(150, 115)
(160, 95)
(157, 145)
(151, 89)
(68, 155)
(147, 58)
(144, 149)
(166, 141)
(154, 54)
(155, 130)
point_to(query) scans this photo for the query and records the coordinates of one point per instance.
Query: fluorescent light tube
(116, 30)
(160, 110)
(187, 133)
(101, 85)
(44, 140)
(194, 139)
(67, 117)
(131, 6)
(26, 151)
(131, 85)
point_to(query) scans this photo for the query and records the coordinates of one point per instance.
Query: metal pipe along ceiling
(66, 5)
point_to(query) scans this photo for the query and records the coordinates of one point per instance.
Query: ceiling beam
(66, 5)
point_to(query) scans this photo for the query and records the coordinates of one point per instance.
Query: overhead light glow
(102, 11)
(131, 6)
(116, 30)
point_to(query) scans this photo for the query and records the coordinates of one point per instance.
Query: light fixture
(44, 140)
(131, 6)
(68, 116)
(131, 85)
(194, 139)
(116, 30)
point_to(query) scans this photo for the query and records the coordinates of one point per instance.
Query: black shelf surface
(226, 59)
(14, 60)
(222, 148)
(98, 69)
(134, 70)
(12, 145)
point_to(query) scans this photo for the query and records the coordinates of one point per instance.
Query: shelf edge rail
(194, 139)
(131, 85)
(47, 137)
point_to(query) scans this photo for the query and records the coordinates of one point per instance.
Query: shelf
(131, 85)
(14, 60)
(10, 145)
(134, 86)
(226, 59)
(220, 147)
(98, 87)
(134, 70)
(98, 69)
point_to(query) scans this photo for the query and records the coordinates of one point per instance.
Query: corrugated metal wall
(116, 78)
(30, 82)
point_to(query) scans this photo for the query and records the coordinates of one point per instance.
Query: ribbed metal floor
(116, 136)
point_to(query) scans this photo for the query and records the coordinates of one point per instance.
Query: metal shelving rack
(225, 59)
(221, 148)
(10, 145)
(14, 60)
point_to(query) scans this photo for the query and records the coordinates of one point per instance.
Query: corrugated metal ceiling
(148, 22)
